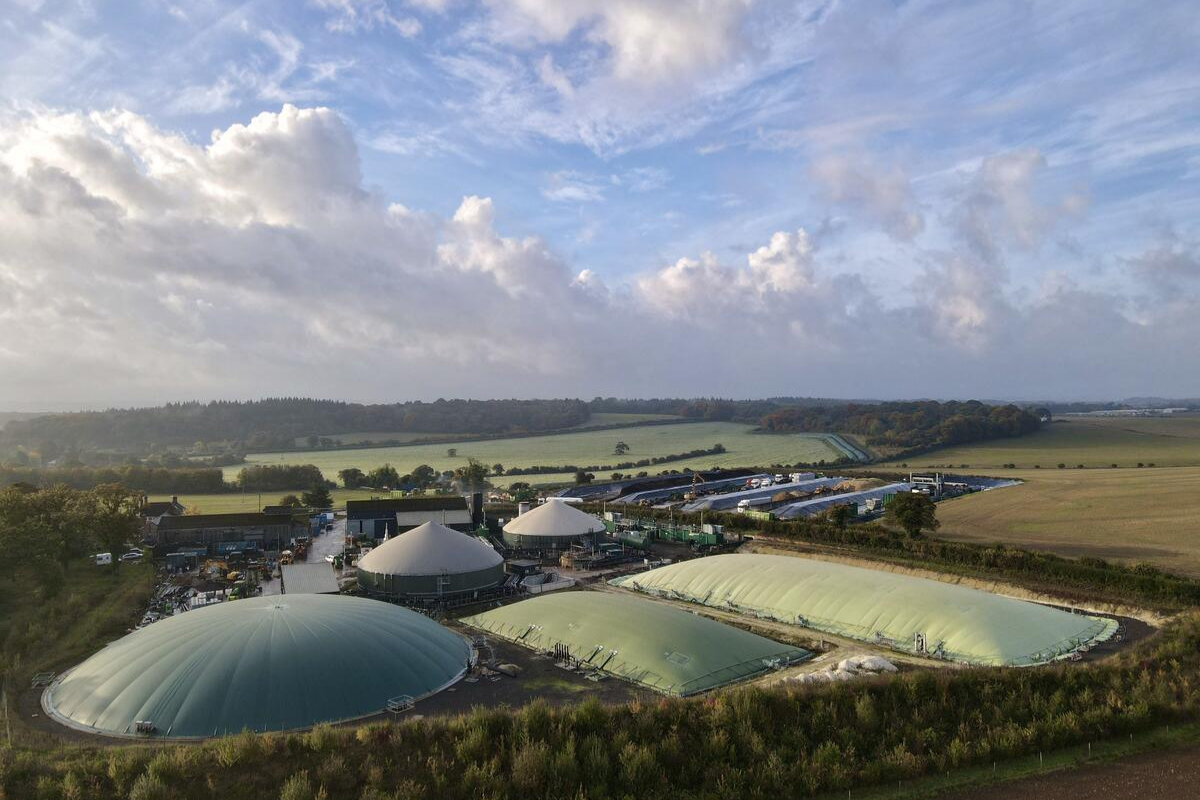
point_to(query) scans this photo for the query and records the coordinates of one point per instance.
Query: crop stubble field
(1146, 514)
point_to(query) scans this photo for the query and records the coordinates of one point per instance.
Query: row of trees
(152, 480)
(279, 421)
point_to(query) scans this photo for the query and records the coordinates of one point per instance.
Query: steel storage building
(431, 560)
(722, 502)
(897, 611)
(649, 643)
(818, 505)
(554, 525)
(261, 664)
(239, 530)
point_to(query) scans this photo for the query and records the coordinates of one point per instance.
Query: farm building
(389, 517)
(730, 500)
(554, 525)
(224, 532)
(897, 611)
(818, 505)
(261, 664)
(430, 561)
(651, 644)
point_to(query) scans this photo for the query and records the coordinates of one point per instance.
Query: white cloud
(138, 266)
(885, 196)
(568, 186)
(350, 16)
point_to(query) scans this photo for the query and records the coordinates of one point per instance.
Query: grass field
(252, 501)
(582, 448)
(1164, 441)
(596, 421)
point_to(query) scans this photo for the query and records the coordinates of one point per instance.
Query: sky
(381, 200)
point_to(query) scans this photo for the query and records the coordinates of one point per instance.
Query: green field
(596, 421)
(582, 448)
(1093, 442)
(252, 501)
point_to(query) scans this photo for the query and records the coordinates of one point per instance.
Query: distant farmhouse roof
(160, 508)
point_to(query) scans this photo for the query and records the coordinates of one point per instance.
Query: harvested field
(1093, 442)
(1150, 515)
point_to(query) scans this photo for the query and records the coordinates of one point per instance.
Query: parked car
(132, 555)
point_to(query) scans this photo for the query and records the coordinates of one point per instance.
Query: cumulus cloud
(1000, 206)
(660, 40)
(138, 265)
(884, 196)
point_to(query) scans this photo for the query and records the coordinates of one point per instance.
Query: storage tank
(554, 525)
(430, 561)
(259, 664)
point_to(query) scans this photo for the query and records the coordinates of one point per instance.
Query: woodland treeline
(277, 422)
(909, 425)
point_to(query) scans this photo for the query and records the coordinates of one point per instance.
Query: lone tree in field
(912, 512)
(351, 477)
(621, 449)
(317, 497)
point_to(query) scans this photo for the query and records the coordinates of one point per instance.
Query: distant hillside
(13, 416)
(276, 422)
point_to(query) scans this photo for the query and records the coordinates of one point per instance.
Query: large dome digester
(260, 664)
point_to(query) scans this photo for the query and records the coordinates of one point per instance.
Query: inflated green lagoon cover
(650, 643)
(264, 663)
(973, 626)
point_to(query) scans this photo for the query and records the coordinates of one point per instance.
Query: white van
(103, 559)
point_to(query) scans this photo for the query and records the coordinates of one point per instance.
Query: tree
(621, 449)
(452, 452)
(841, 514)
(582, 477)
(424, 475)
(291, 501)
(383, 476)
(317, 497)
(351, 477)
(116, 518)
(472, 476)
(913, 513)
(497, 469)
